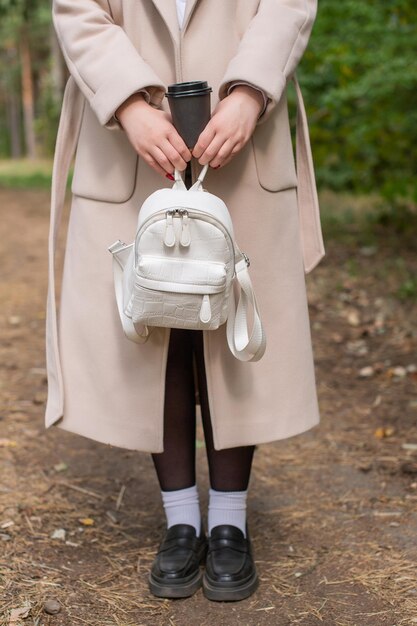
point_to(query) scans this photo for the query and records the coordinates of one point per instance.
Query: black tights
(229, 468)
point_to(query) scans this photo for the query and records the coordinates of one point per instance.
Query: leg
(175, 572)
(229, 468)
(175, 466)
(230, 569)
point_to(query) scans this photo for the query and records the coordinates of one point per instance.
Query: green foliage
(34, 18)
(27, 174)
(359, 76)
(25, 9)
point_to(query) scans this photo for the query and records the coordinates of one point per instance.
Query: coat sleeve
(101, 58)
(241, 82)
(271, 48)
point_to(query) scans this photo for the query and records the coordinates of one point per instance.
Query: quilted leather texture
(158, 308)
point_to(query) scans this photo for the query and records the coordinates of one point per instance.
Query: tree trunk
(13, 109)
(27, 92)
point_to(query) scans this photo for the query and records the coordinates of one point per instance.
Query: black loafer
(230, 570)
(175, 572)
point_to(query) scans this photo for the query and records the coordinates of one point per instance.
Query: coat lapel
(191, 5)
(168, 12)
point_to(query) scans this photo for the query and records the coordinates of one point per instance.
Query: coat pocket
(105, 163)
(273, 152)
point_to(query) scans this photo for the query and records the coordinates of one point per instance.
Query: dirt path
(333, 511)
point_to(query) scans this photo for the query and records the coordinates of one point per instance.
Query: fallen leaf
(15, 320)
(18, 614)
(377, 401)
(384, 431)
(399, 371)
(357, 347)
(353, 318)
(7, 524)
(59, 533)
(409, 446)
(7, 443)
(366, 372)
(60, 467)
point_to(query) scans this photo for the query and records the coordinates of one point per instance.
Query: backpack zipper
(172, 212)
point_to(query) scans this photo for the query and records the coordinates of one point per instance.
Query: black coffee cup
(189, 104)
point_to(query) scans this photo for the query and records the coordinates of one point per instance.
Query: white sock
(182, 507)
(227, 507)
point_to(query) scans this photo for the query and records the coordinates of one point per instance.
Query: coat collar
(168, 12)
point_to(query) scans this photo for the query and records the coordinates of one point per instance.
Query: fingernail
(170, 176)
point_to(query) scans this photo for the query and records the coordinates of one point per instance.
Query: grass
(25, 174)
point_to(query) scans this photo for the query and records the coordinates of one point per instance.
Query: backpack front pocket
(181, 275)
(165, 286)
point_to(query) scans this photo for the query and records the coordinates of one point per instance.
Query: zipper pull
(169, 237)
(205, 311)
(185, 229)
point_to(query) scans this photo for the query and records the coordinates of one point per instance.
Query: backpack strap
(309, 211)
(242, 346)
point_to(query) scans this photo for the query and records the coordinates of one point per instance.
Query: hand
(230, 127)
(153, 136)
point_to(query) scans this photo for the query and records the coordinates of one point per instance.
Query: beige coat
(102, 385)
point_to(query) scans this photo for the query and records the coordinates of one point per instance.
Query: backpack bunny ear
(199, 182)
(179, 183)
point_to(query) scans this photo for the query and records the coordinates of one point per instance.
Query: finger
(177, 141)
(173, 155)
(228, 149)
(162, 159)
(212, 150)
(204, 140)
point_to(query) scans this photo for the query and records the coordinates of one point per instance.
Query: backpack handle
(197, 186)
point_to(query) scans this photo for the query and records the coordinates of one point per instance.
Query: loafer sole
(178, 589)
(225, 592)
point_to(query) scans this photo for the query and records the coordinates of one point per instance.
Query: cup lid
(190, 88)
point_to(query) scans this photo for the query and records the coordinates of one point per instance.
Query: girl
(122, 55)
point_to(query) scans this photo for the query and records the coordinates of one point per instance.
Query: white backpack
(181, 269)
